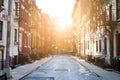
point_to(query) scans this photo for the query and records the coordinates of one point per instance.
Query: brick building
(24, 26)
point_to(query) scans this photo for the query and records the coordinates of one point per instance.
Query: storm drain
(61, 69)
(39, 78)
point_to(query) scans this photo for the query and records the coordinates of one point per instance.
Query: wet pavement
(62, 67)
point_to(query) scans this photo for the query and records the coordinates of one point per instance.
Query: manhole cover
(109, 69)
(39, 78)
(61, 69)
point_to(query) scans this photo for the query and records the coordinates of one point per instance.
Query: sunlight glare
(64, 22)
(61, 9)
(56, 8)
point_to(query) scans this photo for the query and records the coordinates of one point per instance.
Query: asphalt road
(62, 67)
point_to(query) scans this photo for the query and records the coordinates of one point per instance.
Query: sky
(61, 9)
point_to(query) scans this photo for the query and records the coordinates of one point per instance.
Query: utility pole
(7, 66)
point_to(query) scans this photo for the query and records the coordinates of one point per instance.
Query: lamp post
(7, 66)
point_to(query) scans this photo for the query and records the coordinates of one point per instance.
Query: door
(118, 44)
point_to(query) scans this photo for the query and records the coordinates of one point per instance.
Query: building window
(88, 44)
(15, 35)
(100, 45)
(29, 40)
(96, 46)
(1, 3)
(25, 38)
(105, 44)
(1, 24)
(118, 9)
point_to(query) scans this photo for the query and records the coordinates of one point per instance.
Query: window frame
(15, 35)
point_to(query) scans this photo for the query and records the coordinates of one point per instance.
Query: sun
(61, 9)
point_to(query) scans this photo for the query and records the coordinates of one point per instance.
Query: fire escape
(17, 3)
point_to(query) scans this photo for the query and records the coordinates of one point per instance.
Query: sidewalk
(24, 70)
(106, 75)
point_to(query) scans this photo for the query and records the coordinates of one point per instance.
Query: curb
(87, 68)
(27, 73)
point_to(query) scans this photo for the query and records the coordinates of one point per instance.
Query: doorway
(118, 44)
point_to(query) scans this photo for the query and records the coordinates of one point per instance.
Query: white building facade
(14, 35)
(3, 31)
(99, 36)
(4, 18)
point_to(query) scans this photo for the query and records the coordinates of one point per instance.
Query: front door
(118, 44)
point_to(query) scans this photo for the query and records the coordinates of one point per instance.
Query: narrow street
(62, 67)
(60, 39)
